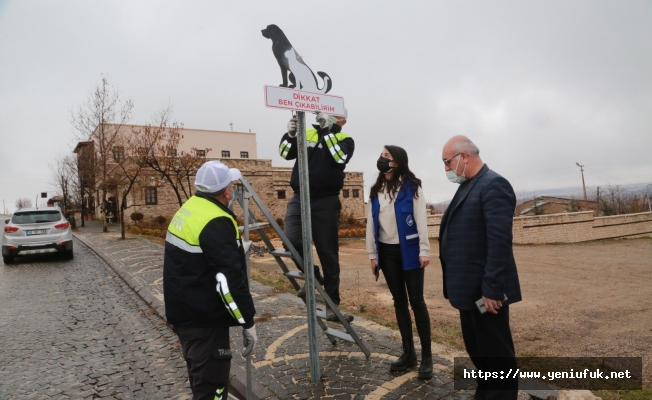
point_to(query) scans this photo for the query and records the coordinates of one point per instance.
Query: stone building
(153, 196)
(554, 205)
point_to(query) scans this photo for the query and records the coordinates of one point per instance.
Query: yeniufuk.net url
(549, 375)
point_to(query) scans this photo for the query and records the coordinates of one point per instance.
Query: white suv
(36, 230)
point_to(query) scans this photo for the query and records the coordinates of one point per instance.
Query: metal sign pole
(245, 222)
(306, 229)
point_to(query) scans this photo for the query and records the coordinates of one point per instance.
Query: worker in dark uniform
(329, 150)
(205, 282)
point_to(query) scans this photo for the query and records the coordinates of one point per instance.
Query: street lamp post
(583, 185)
(647, 195)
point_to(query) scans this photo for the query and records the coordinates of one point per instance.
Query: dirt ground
(587, 299)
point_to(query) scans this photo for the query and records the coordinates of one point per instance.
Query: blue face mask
(452, 174)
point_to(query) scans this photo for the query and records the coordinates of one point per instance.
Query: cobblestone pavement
(74, 329)
(281, 360)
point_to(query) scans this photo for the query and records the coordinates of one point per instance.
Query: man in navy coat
(475, 249)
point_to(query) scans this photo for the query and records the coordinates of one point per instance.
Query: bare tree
(136, 148)
(23, 203)
(164, 158)
(614, 200)
(99, 120)
(64, 180)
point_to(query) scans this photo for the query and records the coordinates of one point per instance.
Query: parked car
(36, 230)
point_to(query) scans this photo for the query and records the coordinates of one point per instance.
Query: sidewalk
(281, 360)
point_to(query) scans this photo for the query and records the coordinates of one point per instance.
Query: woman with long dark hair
(397, 243)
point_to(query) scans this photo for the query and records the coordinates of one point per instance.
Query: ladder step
(339, 334)
(295, 275)
(281, 253)
(255, 226)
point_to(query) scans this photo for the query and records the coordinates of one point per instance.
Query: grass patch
(278, 282)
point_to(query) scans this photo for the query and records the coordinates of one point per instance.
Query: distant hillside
(566, 192)
(576, 191)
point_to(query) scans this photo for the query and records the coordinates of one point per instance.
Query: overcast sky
(537, 85)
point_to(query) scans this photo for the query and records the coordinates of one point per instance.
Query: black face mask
(383, 165)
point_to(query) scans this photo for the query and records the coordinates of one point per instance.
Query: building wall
(580, 227)
(266, 180)
(553, 205)
(570, 227)
(434, 222)
(234, 142)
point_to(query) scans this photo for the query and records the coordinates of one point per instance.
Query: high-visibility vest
(188, 223)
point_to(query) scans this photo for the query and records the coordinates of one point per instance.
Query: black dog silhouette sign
(304, 92)
(301, 76)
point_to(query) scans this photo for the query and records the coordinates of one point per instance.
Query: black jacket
(325, 169)
(189, 279)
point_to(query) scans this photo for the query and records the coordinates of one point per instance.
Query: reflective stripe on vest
(191, 219)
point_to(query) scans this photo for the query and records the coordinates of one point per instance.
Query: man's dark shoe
(407, 359)
(330, 316)
(425, 369)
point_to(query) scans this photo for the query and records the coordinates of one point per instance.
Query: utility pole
(583, 185)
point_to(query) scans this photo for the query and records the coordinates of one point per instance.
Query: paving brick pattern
(280, 360)
(74, 330)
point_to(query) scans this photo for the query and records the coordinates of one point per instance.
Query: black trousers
(406, 286)
(488, 340)
(325, 216)
(208, 358)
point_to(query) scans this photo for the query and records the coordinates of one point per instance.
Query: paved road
(73, 329)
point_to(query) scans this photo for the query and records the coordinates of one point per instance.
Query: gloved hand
(322, 120)
(292, 127)
(249, 338)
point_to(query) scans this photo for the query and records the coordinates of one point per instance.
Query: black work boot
(425, 369)
(407, 359)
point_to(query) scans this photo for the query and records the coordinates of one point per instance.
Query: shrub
(160, 220)
(136, 217)
(135, 230)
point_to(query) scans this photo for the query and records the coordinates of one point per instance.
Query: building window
(280, 194)
(172, 152)
(244, 154)
(226, 153)
(356, 192)
(238, 187)
(200, 153)
(151, 196)
(345, 193)
(118, 153)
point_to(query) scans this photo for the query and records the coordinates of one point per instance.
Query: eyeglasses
(447, 161)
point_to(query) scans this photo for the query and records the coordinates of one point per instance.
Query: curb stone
(237, 377)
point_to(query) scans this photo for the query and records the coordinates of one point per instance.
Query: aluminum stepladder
(279, 255)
